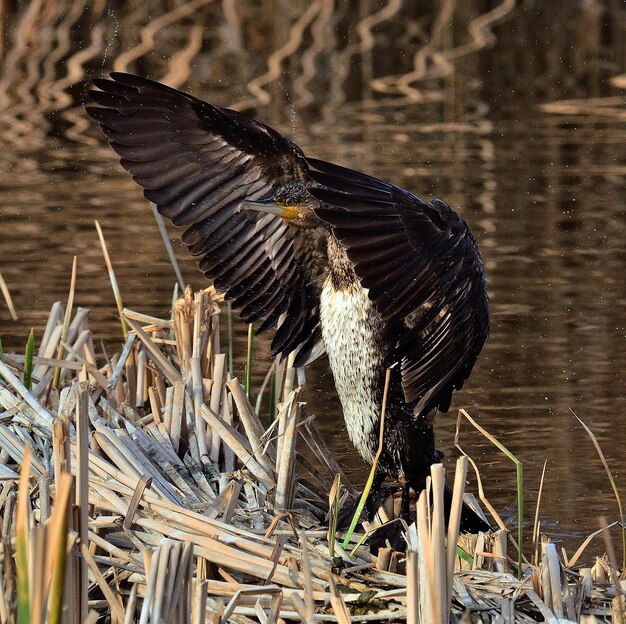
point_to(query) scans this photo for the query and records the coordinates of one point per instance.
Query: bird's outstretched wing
(422, 268)
(198, 163)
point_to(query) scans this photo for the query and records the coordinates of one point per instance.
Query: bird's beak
(269, 206)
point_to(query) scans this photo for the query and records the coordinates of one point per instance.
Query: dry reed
(149, 489)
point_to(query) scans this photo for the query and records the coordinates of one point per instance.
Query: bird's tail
(471, 522)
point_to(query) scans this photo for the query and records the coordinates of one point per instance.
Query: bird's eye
(290, 201)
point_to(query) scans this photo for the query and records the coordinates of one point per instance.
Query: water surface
(512, 114)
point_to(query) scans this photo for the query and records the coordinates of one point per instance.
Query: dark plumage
(333, 257)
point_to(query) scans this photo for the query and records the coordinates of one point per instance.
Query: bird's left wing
(422, 270)
(198, 163)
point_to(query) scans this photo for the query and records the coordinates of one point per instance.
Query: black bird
(339, 260)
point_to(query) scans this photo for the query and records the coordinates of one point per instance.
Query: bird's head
(291, 202)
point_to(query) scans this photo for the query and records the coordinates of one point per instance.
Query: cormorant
(339, 260)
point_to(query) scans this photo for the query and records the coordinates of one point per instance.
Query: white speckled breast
(351, 328)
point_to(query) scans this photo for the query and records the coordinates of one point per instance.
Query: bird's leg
(391, 533)
(405, 508)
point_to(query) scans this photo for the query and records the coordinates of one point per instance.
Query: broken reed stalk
(211, 527)
(598, 448)
(437, 541)
(272, 399)
(333, 513)
(249, 359)
(427, 599)
(82, 491)
(66, 323)
(229, 324)
(412, 575)
(7, 297)
(454, 523)
(581, 549)
(370, 478)
(174, 300)
(116, 289)
(520, 488)
(535, 539)
(619, 602)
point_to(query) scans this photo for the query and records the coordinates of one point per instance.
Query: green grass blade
(21, 541)
(58, 544)
(28, 361)
(359, 508)
(358, 544)
(464, 555)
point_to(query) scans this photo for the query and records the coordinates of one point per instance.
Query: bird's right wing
(198, 163)
(420, 265)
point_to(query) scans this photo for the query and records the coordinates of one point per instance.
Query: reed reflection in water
(513, 113)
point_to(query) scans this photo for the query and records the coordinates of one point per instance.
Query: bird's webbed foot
(375, 500)
(390, 534)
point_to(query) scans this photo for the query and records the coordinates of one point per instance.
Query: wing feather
(198, 163)
(423, 272)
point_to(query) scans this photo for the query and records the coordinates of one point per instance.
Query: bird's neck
(342, 272)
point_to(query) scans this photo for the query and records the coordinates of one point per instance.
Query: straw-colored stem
(66, 323)
(454, 522)
(427, 587)
(618, 609)
(13, 381)
(437, 539)
(536, 522)
(612, 482)
(333, 505)
(116, 290)
(7, 297)
(172, 310)
(272, 401)
(129, 479)
(168, 246)
(412, 575)
(229, 323)
(82, 493)
(117, 610)
(249, 358)
(284, 479)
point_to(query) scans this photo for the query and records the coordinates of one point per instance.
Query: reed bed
(146, 487)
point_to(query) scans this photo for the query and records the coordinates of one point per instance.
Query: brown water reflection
(511, 113)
